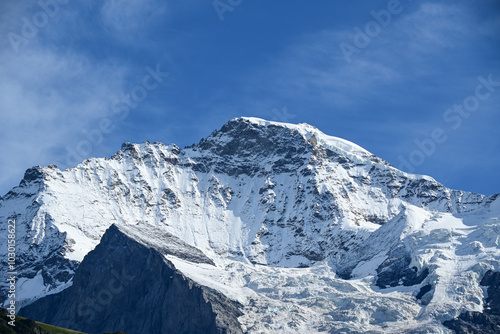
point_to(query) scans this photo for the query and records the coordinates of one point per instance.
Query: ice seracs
(300, 225)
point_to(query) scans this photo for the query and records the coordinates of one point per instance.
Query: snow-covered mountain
(307, 232)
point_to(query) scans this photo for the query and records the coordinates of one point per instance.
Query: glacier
(309, 233)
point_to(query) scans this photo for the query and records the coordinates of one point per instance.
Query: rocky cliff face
(486, 322)
(122, 284)
(308, 232)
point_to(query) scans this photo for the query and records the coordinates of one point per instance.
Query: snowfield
(309, 233)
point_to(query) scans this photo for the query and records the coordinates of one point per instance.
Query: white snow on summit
(310, 233)
(307, 131)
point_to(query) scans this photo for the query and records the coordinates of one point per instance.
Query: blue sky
(416, 83)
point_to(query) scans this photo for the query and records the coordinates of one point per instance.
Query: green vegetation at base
(27, 326)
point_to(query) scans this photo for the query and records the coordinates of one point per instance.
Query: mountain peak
(34, 173)
(263, 122)
(251, 133)
(260, 202)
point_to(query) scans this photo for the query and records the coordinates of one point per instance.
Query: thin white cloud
(419, 63)
(48, 98)
(126, 18)
(52, 91)
(314, 67)
(434, 28)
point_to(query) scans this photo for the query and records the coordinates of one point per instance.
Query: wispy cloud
(126, 19)
(48, 98)
(394, 91)
(57, 87)
(416, 53)
(50, 93)
(91, 54)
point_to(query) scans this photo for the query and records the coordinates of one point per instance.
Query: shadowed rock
(124, 285)
(487, 322)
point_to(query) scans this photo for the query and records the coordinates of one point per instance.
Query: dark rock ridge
(395, 270)
(166, 243)
(423, 291)
(487, 322)
(47, 259)
(271, 194)
(124, 285)
(240, 146)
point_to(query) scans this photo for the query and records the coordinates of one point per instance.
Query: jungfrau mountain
(262, 227)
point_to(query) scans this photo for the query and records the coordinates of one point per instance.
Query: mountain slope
(305, 230)
(124, 284)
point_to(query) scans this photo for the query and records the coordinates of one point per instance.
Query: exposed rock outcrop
(124, 285)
